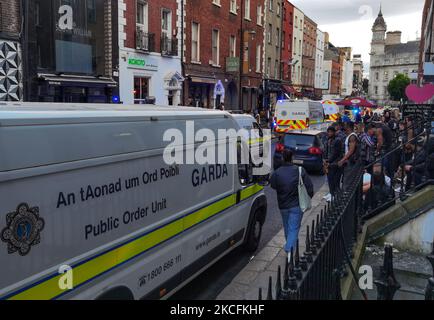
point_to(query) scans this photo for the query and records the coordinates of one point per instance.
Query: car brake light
(315, 151)
(279, 148)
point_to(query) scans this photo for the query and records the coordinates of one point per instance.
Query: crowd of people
(394, 153)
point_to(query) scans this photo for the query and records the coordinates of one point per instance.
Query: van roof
(64, 133)
(25, 113)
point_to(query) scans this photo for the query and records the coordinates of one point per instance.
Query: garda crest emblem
(23, 229)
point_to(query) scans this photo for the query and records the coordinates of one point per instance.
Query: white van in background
(85, 189)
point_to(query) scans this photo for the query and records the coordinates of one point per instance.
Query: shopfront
(149, 78)
(67, 56)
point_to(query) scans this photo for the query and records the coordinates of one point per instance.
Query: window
(296, 21)
(279, 9)
(386, 75)
(37, 14)
(376, 90)
(270, 5)
(270, 33)
(142, 15)
(195, 42)
(166, 23)
(233, 6)
(259, 15)
(258, 58)
(247, 9)
(377, 76)
(215, 47)
(232, 46)
(216, 2)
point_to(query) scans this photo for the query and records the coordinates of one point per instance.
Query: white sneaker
(328, 197)
(289, 258)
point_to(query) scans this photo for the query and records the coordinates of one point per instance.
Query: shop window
(141, 90)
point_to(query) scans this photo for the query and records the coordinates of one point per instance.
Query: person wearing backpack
(286, 182)
(351, 162)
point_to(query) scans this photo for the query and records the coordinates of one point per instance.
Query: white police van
(89, 209)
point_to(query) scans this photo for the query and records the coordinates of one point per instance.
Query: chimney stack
(393, 37)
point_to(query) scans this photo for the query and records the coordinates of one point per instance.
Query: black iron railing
(316, 274)
(145, 41)
(169, 46)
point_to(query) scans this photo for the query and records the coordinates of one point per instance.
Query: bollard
(387, 285)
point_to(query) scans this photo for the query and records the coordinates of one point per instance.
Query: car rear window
(294, 140)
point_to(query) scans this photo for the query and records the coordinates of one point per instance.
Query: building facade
(320, 84)
(358, 77)
(273, 51)
(345, 55)
(389, 57)
(426, 56)
(287, 43)
(309, 57)
(149, 52)
(214, 57)
(10, 51)
(332, 66)
(297, 51)
(68, 51)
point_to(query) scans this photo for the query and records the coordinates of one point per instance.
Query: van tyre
(254, 234)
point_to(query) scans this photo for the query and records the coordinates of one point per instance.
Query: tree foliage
(397, 87)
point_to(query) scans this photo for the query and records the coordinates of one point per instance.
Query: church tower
(379, 35)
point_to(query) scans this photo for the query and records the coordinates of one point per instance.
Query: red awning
(356, 102)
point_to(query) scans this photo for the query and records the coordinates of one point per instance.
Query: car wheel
(254, 235)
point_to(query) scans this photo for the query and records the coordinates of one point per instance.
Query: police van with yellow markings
(90, 209)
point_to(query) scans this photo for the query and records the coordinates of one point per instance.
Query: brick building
(149, 52)
(68, 51)
(212, 64)
(332, 69)
(10, 51)
(253, 23)
(309, 53)
(287, 41)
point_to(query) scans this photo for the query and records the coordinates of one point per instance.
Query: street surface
(210, 283)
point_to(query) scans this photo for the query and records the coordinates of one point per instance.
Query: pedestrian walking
(332, 154)
(351, 162)
(285, 181)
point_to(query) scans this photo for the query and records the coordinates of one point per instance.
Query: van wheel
(254, 235)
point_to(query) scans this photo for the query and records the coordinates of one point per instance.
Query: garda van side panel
(110, 212)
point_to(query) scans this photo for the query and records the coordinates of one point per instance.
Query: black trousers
(334, 179)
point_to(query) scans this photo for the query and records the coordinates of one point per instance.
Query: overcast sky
(349, 22)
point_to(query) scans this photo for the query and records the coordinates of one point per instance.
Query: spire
(380, 24)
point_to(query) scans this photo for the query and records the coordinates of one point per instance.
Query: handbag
(304, 198)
